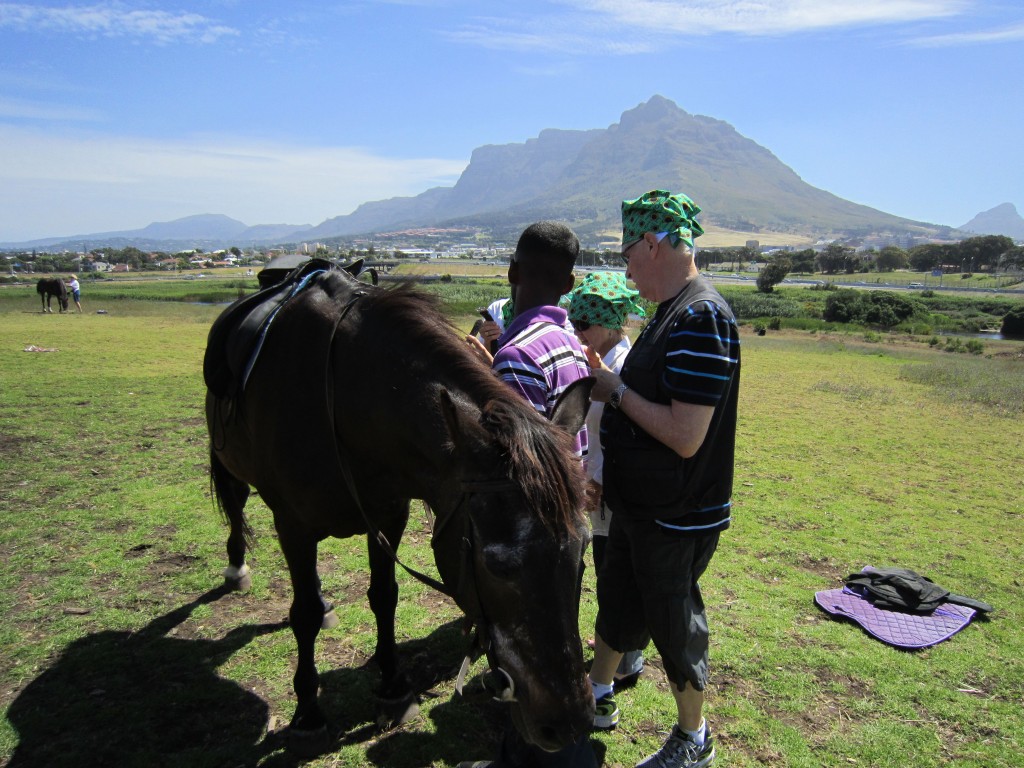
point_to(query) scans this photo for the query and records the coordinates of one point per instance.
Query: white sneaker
(679, 752)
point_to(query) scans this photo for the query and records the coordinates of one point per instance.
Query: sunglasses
(625, 248)
(581, 325)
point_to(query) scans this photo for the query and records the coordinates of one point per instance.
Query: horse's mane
(544, 461)
(542, 457)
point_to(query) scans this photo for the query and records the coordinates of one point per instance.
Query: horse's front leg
(308, 733)
(398, 702)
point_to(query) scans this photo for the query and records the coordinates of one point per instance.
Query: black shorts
(647, 590)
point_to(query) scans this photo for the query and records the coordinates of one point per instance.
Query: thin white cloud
(639, 26)
(32, 110)
(762, 17)
(568, 34)
(53, 185)
(1009, 34)
(114, 20)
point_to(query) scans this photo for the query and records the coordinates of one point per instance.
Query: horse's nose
(555, 734)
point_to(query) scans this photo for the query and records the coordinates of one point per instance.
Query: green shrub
(1013, 322)
(878, 308)
(749, 305)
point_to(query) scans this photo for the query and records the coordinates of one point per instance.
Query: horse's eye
(501, 561)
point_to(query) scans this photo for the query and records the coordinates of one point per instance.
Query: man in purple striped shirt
(539, 358)
(536, 356)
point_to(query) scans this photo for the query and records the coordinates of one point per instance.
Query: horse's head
(516, 566)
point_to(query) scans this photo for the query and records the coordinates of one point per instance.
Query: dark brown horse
(47, 288)
(363, 398)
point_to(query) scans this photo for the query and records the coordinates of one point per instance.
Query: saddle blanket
(897, 628)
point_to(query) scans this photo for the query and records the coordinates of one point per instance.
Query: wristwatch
(615, 398)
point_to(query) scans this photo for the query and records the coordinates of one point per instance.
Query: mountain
(582, 176)
(497, 177)
(578, 176)
(207, 230)
(1001, 220)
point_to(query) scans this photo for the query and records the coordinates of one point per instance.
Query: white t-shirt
(614, 359)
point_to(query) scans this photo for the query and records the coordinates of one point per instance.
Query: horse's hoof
(330, 620)
(396, 712)
(238, 579)
(309, 744)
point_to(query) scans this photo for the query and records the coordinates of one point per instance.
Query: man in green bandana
(668, 436)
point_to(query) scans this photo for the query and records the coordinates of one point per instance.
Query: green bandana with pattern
(661, 211)
(603, 298)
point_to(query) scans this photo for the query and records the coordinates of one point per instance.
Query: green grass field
(116, 650)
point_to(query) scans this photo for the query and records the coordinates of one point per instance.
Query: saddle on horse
(236, 337)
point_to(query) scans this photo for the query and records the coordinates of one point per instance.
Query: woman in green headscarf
(598, 310)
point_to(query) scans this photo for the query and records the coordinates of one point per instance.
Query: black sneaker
(606, 715)
(679, 752)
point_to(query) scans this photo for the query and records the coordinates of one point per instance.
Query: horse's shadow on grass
(147, 698)
(141, 698)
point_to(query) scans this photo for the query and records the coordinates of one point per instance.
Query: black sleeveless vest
(645, 479)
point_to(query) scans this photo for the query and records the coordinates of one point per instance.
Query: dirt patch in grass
(1010, 354)
(829, 571)
(11, 444)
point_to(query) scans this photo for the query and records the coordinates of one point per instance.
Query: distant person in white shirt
(76, 291)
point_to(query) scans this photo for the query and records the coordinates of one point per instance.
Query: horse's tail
(230, 494)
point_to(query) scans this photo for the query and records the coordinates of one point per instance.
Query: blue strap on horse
(297, 287)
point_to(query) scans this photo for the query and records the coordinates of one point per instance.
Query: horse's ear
(457, 422)
(571, 409)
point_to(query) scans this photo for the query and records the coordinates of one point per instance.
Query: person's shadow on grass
(142, 699)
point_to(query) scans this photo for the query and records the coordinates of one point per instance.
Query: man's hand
(606, 379)
(481, 351)
(490, 332)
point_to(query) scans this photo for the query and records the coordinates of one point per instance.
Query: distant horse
(49, 287)
(363, 398)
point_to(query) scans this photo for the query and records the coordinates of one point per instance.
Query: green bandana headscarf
(602, 298)
(661, 211)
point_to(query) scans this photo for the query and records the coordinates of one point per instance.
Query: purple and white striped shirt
(539, 358)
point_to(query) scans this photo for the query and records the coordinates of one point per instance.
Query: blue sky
(117, 114)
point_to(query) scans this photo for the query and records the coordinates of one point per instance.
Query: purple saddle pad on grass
(903, 630)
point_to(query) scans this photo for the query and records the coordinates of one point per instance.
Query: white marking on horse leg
(330, 620)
